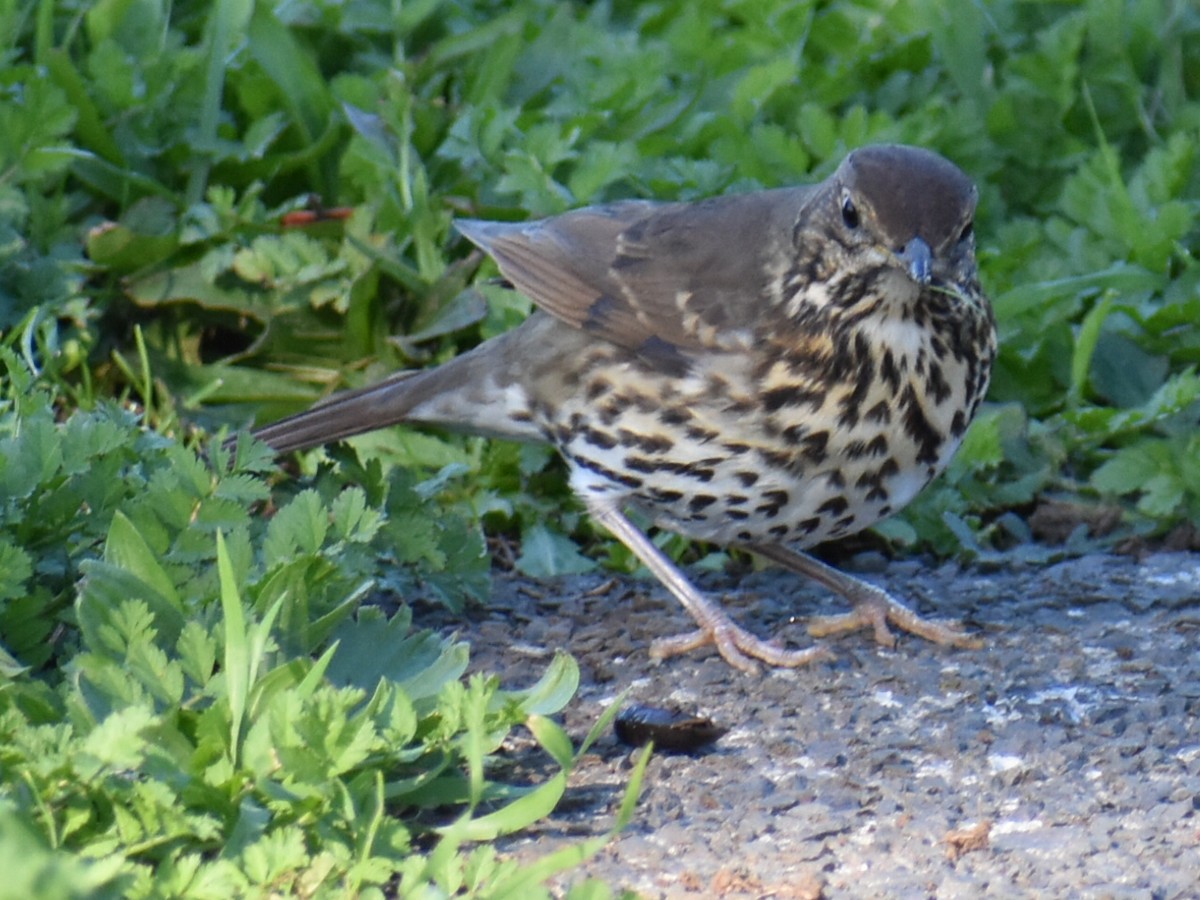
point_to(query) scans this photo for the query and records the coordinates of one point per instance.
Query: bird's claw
(739, 648)
(876, 612)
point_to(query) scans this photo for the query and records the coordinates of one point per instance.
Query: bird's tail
(346, 414)
(481, 392)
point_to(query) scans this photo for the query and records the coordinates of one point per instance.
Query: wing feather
(663, 280)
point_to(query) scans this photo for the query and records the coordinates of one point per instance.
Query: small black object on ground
(670, 730)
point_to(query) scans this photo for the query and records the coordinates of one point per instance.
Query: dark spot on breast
(855, 449)
(773, 502)
(597, 389)
(792, 395)
(936, 384)
(794, 434)
(698, 470)
(631, 481)
(775, 458)
(815, 446)
(747, 478)
(644, 403)
(918, 427)
(880, 413)
(648, 443)
(864, 365)
(808, 526)
(889, 372)
(701, 501)
(959, 424)
(674, 415)
(872, 482)
(863, 372)
(640, 464)
(835, 506)
(610, 411)
(878, 445)
(597, 438)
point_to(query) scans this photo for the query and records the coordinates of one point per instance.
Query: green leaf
(105, 589)
(299, 527)
(603, 722)
(127, 549)
(545, 553)
(1120, 279)
(1085, 345)
(1125, 374)
(146, 235)
(553, 738)
(554, 689)
(16, 567)
(371, 649)
(35, 870)
(520, 813)
(197, 653)
(238, 665)
(117, 744)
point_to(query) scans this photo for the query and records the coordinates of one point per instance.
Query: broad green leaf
(554, 689)
(126, 548)
(545, 553)
(371, 649)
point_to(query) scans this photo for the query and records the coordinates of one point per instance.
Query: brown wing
(662, 280)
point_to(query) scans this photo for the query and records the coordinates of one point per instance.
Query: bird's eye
(849, 213)
(967, 232)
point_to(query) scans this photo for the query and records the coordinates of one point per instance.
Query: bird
(765, 370)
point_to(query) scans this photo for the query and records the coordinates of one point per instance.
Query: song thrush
(767, 370)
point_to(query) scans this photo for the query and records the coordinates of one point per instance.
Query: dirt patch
(1063, 760)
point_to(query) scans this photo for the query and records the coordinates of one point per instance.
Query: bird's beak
(917, 256)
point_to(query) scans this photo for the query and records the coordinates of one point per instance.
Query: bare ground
(1062, 760)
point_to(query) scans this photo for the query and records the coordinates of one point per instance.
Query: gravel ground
(1062, 760)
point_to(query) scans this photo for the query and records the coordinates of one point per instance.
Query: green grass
(162, 642)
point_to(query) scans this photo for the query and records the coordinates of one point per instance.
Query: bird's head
(906, 209)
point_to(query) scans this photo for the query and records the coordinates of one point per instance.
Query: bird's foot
(875, 610)
(871, 607)
(737, 646)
